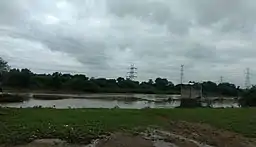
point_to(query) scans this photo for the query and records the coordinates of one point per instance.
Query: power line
(221, 79)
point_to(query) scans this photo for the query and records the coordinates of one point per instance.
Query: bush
(249, 98)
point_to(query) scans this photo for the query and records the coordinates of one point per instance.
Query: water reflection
(114, 100)
(95, 103)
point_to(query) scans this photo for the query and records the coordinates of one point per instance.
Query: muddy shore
(180, 134)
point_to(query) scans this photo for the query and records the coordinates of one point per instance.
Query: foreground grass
(82, 125)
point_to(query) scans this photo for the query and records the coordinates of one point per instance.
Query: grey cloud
(105, 36)
(236, 15)
(159, 12)
(201, 53)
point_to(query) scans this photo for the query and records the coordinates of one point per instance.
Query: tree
(18, 78)
(227, 89)
(150, 82)
(75, 84)
(3, 65)
(120, 80)
(56, 80)
(248, 98)
(209, 88)
(161, 84)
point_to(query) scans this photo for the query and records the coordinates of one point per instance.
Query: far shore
(12, 96)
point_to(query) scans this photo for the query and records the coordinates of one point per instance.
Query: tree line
(25, 79)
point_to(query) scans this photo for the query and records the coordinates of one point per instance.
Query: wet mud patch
(179, 134)
(150, 138)
(210, 135)
(124, 140)
(48, 143)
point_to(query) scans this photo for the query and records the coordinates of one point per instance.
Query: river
(110, 101)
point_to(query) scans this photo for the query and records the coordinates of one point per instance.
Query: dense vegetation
(81, 125)
(249, 98)
(25, 79)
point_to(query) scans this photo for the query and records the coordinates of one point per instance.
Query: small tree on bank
(248, 98)
(4, 67)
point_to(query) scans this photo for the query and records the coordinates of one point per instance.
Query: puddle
(151, 138)
(160, 143)
(167, 139)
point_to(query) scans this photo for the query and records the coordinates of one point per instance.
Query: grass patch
(81, 125)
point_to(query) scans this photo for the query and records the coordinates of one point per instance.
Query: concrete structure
(191, 91)
(190, 96)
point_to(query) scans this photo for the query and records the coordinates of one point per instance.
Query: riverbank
(105, 96)
(83, 125)
(126, 101)
(12, 98)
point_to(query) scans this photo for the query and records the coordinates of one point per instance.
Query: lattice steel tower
(247, 79)
(221, 79)
(181, 74)
(132, 73)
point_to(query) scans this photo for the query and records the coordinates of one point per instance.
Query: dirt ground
(210, 135)
(179, 134)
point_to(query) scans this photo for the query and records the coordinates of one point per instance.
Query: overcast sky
(101, 38)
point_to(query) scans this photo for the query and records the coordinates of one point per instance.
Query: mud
(209, 135)
(179, 134)
(124, 140)
(49, 143)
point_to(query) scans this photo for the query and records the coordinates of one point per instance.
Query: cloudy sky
(101, 38)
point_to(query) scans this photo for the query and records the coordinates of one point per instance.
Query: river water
(111, 101)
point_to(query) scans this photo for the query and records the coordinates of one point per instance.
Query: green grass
(81, 125)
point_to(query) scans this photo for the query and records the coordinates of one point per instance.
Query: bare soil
(180, 134)
(124, 140)
(207, 134)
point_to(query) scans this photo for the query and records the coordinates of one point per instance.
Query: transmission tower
(247, 79)
(181, 78)
(132, 73)
(181, 74)
(221, 79)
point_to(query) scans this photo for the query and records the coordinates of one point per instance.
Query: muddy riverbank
(108, 127)
(180, 134)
